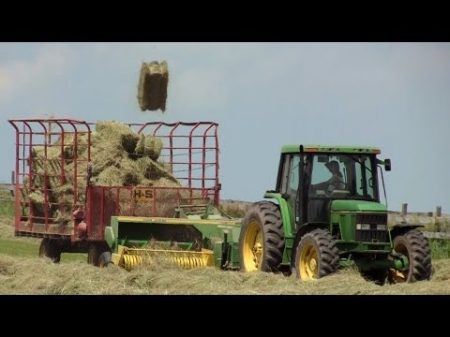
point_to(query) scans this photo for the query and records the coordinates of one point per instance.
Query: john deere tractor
(325, 213)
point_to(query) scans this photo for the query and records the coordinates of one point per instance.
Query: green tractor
(325, 213)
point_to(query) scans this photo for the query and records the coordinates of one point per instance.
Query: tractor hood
(357, 206)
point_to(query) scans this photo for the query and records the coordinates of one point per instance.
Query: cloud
(18, 77)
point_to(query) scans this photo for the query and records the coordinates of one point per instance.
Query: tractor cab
(325, 213)
(311, 179)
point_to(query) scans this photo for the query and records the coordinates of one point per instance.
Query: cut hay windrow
(152, 87)
(119, 157)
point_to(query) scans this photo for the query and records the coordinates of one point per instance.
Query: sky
(395, 96)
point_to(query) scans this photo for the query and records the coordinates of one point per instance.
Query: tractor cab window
(329, 175)
(343, 176)
(364, 176)
(293, 175)
(290, 176)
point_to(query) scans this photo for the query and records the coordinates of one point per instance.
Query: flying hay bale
(152, 87)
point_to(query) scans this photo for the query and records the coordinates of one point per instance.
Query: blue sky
(392, 95)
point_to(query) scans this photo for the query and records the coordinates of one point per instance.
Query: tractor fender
(277, 199)
(401, 228)
(306, 228)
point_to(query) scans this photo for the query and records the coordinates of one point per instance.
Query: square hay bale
(119, 157)
(152, 86)
(130, 173)
(110, 176)
(149, 146)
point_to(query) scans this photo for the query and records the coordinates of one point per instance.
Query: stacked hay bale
(152, 86)
(123, 158)
(119, 157)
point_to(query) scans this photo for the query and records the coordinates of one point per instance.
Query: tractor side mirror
(387, 164)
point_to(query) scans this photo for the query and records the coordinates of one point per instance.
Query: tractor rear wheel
(316, 255)
(414, 246)
(261, 242)
(50, 248)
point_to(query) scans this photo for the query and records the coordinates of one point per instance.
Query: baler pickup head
(129, 258)
(190, 242)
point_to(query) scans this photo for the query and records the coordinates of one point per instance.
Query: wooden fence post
(404, 209)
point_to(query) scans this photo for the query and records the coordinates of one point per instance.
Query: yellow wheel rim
(253, 247)
(309, 262)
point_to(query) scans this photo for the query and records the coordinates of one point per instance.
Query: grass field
(22, 272)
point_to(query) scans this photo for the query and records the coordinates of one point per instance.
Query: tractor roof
(330, 148)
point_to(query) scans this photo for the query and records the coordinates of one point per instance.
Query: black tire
(50, 248)
(414, 245)
(94, 252)
(316, 255)
(104, 259)
(263, 223)
(378, 276)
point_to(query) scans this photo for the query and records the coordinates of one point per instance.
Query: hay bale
(62, 218)
(149, 146)
(37, 197)
(116, 134)
(152, 87)
(119, 157)
(108, 177)
(130, 174)
(129, 142)
(37, 203)
(151, 169)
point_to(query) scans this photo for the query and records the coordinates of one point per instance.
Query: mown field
(22, 272)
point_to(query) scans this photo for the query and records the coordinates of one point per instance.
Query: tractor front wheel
(316, 255)
(261, 242)
(414, 245)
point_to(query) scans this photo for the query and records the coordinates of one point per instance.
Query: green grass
(440, 249)
(6, 203)
(23, 248)
(27, 247)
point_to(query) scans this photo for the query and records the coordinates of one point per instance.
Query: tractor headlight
(364, 226)
(381, 227)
